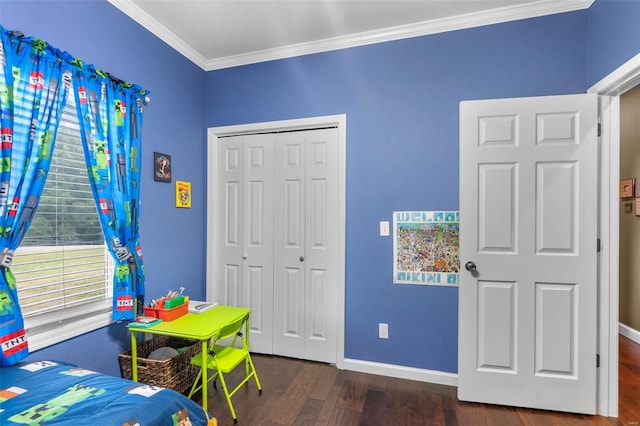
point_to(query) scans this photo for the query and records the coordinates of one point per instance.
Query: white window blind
(63, 268)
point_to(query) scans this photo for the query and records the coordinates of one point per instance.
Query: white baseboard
(629, 332)
(401, 372)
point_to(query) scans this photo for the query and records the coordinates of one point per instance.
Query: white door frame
(610, 88)
(213, 133)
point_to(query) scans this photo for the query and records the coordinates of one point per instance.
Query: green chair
(223, 359)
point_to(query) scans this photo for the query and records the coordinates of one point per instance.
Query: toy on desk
(143, 321)
(197, 306)
(168, 307)
(171, 300)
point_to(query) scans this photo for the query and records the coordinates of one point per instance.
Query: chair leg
(228, 397)
(255, 374)
(194, 387)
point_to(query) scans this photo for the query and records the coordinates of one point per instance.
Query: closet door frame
(213, 289)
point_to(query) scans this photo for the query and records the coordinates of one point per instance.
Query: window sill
(46, 330)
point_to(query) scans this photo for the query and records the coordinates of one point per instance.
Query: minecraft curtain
(33, 89)
(110, 113)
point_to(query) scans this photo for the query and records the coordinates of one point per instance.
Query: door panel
(318, 306)
(289, 280)
(528, 210)
(293, 314)
(556, 219)
(321, 244)
(230, 220)
(497, 193)
(246, 251)
(555, 329)
(257, 255)
(496, 334)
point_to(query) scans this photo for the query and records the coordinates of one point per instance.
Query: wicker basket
(175, 373)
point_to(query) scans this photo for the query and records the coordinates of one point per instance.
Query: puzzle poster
(425, 248)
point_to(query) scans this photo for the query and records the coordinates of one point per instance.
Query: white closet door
(228, 245)
(246, 244)
(277, 239)
(289, 238)
(306, 188)
(321, 255)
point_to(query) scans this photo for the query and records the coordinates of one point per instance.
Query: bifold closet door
(277, 238)
(245, 245)
(305, 237)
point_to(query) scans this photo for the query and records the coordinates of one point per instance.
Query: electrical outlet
(383, 330)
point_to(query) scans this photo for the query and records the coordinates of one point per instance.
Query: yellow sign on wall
(183, 194)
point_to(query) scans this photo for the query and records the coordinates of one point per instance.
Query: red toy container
(167, 314)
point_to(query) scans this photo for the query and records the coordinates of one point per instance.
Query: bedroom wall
(613, 36)
(172, 239)
(401, 99)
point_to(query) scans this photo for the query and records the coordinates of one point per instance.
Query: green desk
(191, 326)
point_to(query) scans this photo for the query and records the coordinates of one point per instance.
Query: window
(63, 269)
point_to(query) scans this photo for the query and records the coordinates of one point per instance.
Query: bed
(53, 392)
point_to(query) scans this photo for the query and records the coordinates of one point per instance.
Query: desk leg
(134, 357)
(246, 333)
(205, 370)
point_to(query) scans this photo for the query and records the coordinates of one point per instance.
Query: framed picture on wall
(183, 194)
(161, 167)
(627, 188)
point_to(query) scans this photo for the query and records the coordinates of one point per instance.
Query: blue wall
(172, 239)
(613, 34)
(401, 99)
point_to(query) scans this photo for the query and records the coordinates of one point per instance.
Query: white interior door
(246, 249)
(306, 235)
(528, 222)
(229, 244)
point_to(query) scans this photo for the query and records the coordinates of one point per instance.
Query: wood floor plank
(378, 409)
(296, 394)
(325, 381)
(353, 390)
(629, 382)
(309, 413)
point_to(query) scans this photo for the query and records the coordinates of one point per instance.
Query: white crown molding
(141, 17)
(496, 16)
(506, 14)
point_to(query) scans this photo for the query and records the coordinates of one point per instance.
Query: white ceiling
(218, 34)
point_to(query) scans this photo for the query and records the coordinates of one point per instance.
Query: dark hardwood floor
(306, 393)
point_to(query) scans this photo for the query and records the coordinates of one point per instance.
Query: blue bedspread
(56, 393)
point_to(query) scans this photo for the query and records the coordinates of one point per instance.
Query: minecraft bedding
(47, 392)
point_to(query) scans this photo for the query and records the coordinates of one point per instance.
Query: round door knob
(244, 257)
(470, 266)
(301, 258)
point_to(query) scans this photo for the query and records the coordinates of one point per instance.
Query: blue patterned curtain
(111, 112)
(33, 89)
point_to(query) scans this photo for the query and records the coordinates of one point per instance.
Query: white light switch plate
(384, 228)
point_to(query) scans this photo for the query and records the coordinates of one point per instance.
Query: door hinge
(598, 246)
(597, 360)
(599, 129)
